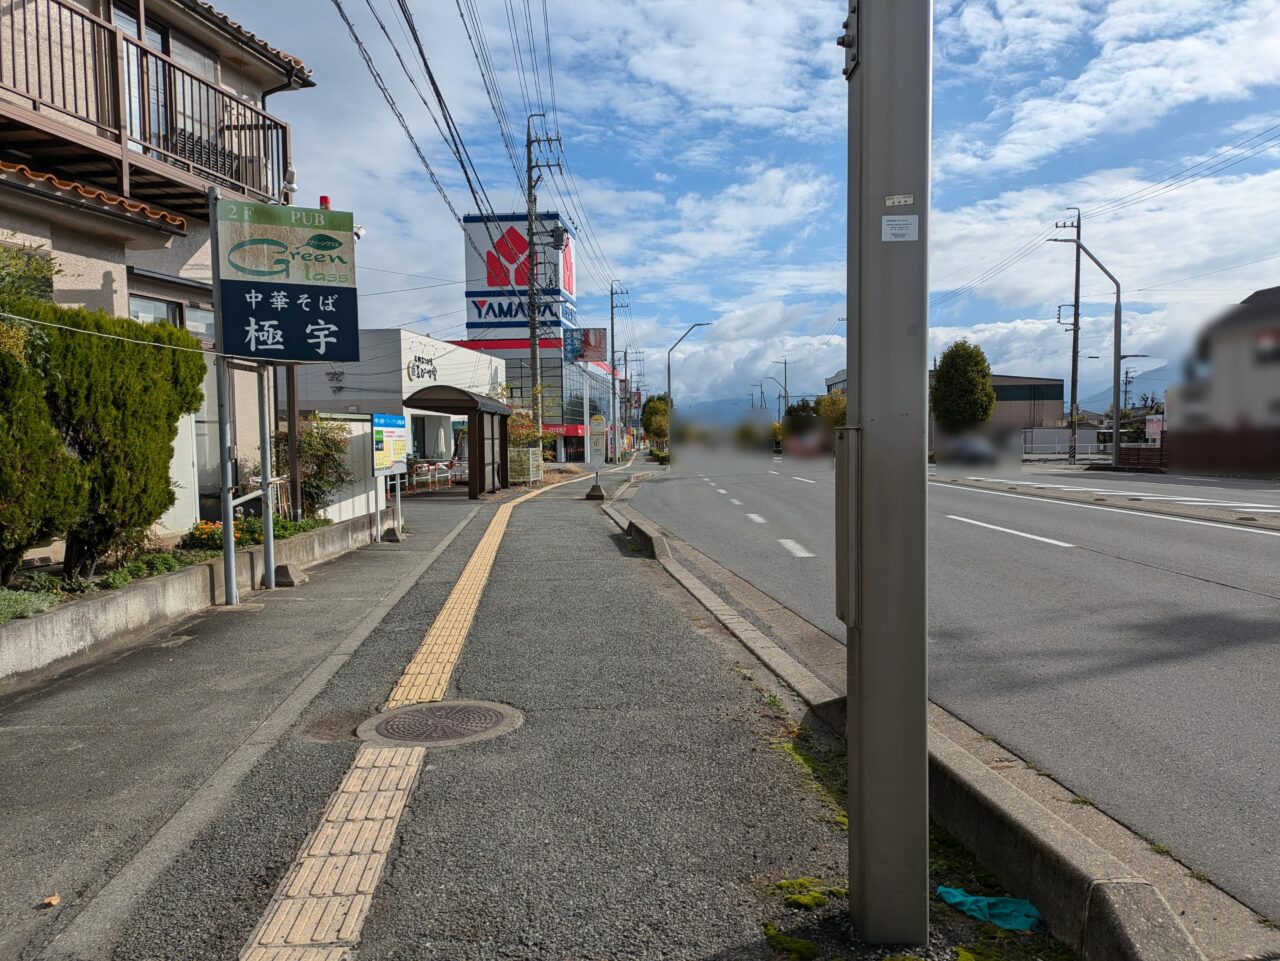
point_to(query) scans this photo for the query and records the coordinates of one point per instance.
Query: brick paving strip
(320, 906)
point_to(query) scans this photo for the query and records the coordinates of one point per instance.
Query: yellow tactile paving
(317, 913)
(426, 678)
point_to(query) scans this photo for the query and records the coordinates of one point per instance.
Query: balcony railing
(58, 60)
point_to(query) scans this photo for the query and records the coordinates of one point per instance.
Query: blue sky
(708, 144)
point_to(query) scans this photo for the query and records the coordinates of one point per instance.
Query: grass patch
(1037, 768)
(993, 944)
(808, 894)
(1082, 800)
(1161, 849)
(1198, 875)
(795, 949)
(826, 769)
(20, 604)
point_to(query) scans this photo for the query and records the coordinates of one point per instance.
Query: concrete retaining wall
(145, 605)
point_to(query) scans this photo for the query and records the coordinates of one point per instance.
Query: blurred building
(1021, 403)
(838, 382)
(1226, 416)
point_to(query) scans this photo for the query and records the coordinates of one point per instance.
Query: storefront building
(574, 371)
(395, 364)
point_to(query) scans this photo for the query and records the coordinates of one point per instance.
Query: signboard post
(390, 456)
(284, 289)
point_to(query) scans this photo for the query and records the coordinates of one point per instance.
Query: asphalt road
(1134, 656)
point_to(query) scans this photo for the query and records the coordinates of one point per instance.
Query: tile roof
(56, 184)
(202, 6)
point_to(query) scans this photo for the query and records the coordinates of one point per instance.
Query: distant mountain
(1152, 381)
(716, 413)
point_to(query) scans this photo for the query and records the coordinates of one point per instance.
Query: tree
(115, 400)
(831, 409)
(42, 487)
(659, 427)
(961, 395)
(653, 406)
(24, 272)
(323, 461)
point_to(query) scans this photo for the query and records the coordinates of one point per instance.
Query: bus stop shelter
(486, 432)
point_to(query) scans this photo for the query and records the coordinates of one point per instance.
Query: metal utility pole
(626, 376)
(882, 553)
(1128, 384)
(615, 288)
(1116, 350)
(786, 394)
(1075, 340)
(671, 400)
(535, 360)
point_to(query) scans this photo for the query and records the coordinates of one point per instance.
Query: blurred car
(970, 451)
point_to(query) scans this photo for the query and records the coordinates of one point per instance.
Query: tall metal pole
(889, 52)
(613, 378)
(231, 593)
(535, 362)
(1075, 350)
(291, 440)
(268, 514)
(671, 401)
(1116, 357)
(626, 376)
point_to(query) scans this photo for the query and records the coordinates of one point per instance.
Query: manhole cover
(445, 724)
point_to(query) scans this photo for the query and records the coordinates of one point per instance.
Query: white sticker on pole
(906, 227)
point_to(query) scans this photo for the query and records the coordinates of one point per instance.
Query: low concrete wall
(145, 605)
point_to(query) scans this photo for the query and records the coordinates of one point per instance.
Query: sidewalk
(640, 811)
(99, 761)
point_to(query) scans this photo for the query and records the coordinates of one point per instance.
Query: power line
(404, 124)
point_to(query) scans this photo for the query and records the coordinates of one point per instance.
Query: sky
(707, 144)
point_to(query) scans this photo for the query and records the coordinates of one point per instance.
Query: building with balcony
(115, 120)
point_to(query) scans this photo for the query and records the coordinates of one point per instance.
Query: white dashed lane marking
(805, 479)
(1006, 530)
(735, 502)
(757, 518)
(799, 550)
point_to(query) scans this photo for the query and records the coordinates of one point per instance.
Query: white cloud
(1149, 64)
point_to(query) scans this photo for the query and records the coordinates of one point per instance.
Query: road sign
(390, 445)
(586, 344)
(287, 282)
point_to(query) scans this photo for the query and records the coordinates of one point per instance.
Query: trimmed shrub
(116, 403)
(42, 488)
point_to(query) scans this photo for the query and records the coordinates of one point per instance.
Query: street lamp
(1115, 360)
(671, 401)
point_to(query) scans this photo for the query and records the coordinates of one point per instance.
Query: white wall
(365, 494)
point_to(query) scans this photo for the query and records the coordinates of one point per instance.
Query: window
(199, 321)
(149, 310)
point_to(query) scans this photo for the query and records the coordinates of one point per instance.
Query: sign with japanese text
(287, 282)
(586, 344)
(390, 444)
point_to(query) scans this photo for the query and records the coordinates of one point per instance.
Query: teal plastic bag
(1012, 914)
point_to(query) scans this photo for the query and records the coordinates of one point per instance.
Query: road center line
(1006, 530)
(773, 472)
(799, 550)
(721, 490)
(805, 479)
(735, 502)
(1114, 510)
(757, 518)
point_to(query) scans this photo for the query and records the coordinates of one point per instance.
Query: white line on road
(799, 550)
(1114, 510)
(773, 472)
(721, 490)
(757, 518)
(805, 479)
(1006, 530)
(735, 502)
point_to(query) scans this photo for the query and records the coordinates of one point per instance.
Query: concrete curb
(30, 644)
(1090, 900)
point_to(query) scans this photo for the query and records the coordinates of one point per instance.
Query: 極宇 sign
(287, 282)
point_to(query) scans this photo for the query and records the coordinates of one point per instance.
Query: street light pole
(671, 401)
(1115, 359)
(881, 499)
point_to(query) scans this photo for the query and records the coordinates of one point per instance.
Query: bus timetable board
(390, 444)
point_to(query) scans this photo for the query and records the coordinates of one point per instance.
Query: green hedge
(112, 403)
